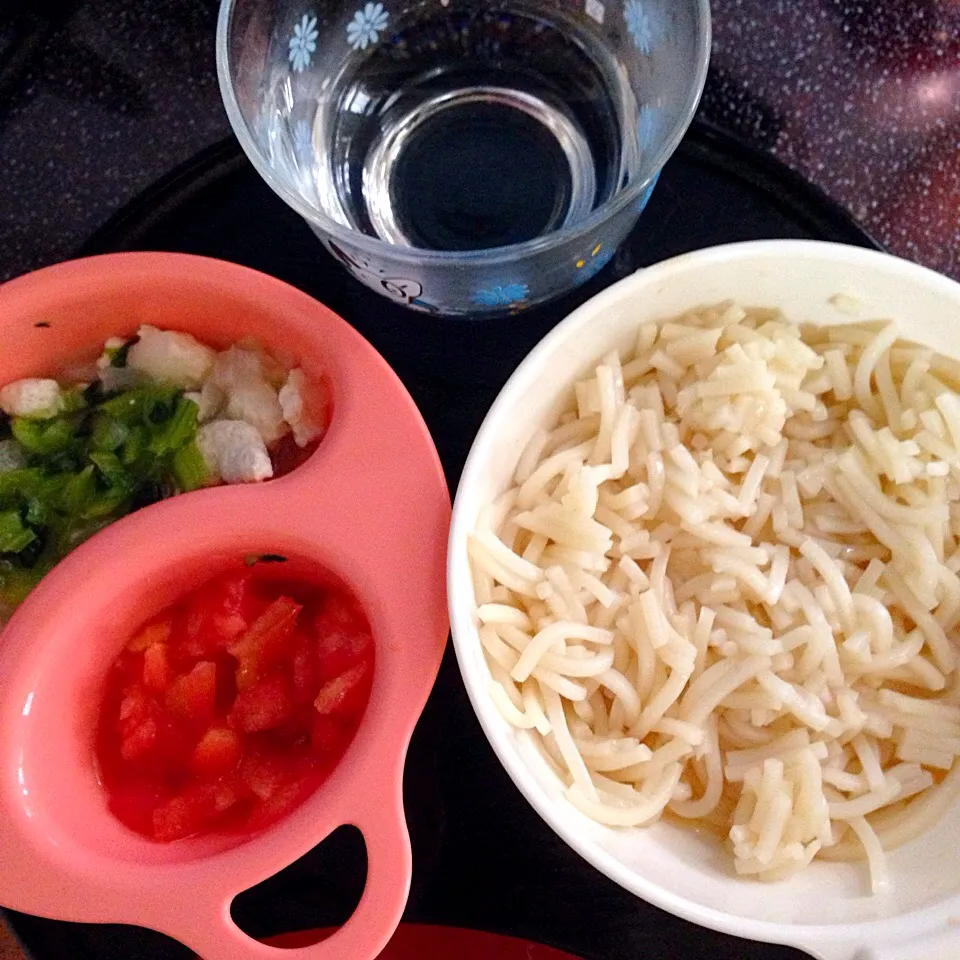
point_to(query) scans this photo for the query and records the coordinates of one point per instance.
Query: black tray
(483, 859)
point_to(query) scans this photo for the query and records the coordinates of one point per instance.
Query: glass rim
(425, 257)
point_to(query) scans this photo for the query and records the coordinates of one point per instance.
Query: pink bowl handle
(211, 932)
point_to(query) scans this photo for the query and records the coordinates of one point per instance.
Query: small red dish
(369, 508)
(421, 942)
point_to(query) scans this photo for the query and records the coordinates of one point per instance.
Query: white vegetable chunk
(296, 410)
(234, 452)
(171, 356)
(32, 397)
(240, 374)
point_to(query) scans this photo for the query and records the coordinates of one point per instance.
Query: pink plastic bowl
(370, 506)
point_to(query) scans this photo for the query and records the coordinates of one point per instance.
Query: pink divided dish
(370, 507)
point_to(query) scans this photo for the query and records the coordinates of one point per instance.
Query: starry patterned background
(863, 98)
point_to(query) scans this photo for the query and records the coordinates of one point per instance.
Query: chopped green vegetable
(149, 403)
(179, 429)
(43, 436)
(79, 492)
(14, 534)
(101, 458)
(189, 468)
(108, 434)
(74, 398)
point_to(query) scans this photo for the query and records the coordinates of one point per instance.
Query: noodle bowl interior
(723, 587)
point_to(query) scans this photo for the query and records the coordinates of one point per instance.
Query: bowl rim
(426, 258)
(826, 939)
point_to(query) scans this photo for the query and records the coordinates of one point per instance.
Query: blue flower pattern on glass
(367, 25)
(502, 295)
(640, 25)
(303, 43)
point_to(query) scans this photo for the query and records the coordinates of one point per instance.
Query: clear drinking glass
(464, 157)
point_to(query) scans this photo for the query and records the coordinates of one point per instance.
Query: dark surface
(483, 859)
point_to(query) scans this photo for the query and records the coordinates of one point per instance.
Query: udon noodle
(724, 585)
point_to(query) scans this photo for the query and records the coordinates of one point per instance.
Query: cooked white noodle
(725, 585)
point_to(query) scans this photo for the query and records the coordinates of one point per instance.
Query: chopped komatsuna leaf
(112, 471)
(26, 482)
(43, 436)
(189, 467)
(79, 490)
(133, 446)
(108, 433)
(14, 533)
(146, 404)
(179, 429)
(74, 398)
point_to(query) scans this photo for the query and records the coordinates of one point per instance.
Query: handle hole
(318, 892)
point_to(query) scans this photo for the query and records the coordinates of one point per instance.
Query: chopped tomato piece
(263, 772)
(265, 641)
(192, 696)
(140, 740)
(303, 669)
(280, 802)
(218, 614)
(157, 673)
(135, 707)
(346, 694)
(217, 752)
(152, 633)
(191, 810)
(264, 706)
(343, 637)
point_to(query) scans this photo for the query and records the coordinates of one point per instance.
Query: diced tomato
(303, 669)
(191, 810)
(346, 694)
(135, 707)
(231, 706)
(279, 803)
(192, 696)
(140, 740)
(343, 636)
(264, 643)
(157, 632)
(263, 772)
(216, 753)
(218, 614)
(264, 706)
(157, 673)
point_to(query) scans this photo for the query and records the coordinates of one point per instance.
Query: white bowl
(825, 910)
